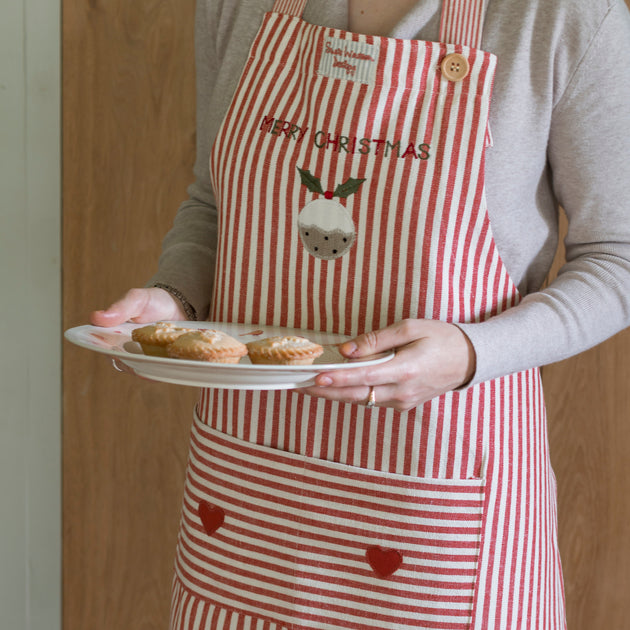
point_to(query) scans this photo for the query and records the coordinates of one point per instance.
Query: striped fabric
(387, 162)
(265, 275)
(191, 613)
(293, 548)
(462, 22)
(289, 7)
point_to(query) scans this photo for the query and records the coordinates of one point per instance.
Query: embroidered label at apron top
(348, 59)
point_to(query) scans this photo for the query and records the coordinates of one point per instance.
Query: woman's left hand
(432, 357)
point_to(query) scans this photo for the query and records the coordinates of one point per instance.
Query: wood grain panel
(128, 149)
(588, 405)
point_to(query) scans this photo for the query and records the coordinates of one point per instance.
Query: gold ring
(371, 401)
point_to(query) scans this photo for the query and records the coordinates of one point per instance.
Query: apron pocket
(315, 544)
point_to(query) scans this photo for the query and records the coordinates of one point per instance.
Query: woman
(366, 185)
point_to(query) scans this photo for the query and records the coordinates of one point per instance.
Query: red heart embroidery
(211, 516)
(384, 562)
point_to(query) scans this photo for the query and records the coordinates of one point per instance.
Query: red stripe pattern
(300, 537)
(431, 256)
(289, 7)
(462, 22)
(316, 531)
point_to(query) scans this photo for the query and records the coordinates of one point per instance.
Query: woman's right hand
(140, 306)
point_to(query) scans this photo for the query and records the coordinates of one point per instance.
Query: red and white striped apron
(349, 175)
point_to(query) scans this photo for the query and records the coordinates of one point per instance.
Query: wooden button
(455, 67)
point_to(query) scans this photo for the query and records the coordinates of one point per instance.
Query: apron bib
(349, 177)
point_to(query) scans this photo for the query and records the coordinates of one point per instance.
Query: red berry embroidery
(313, 183)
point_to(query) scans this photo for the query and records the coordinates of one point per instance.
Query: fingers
(129, 307)
(392, 382)
(392, 371)
(119, 366)
(357, 395)
(394, 336)
(384, 396)
(140, 306)
(107, 318)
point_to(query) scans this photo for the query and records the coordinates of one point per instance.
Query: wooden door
(128, 148)
(588, 406)
(588, 401)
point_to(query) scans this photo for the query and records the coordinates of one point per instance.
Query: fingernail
(323, 381)
(349, 348)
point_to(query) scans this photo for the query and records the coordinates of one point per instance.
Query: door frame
(30, 316)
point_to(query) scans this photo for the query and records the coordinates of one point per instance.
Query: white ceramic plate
(116, 342)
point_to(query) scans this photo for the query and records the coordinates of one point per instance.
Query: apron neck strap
(462, 22)
(290, 7)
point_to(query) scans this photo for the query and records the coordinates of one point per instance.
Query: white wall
(30, 322)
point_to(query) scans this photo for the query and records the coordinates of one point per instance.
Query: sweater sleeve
(187, 262)
(589, 158)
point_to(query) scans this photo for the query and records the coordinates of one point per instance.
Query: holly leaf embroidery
(349, 187)
(313, 183)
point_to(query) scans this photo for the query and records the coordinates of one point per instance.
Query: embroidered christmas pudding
(326, 227)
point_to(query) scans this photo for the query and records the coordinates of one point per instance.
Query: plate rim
(74, 335)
